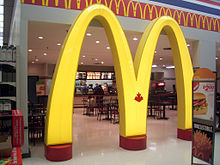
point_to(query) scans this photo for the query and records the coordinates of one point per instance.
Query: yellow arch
(117, 5)
(145, 8)
(134, 8)
(187, 17)
(168, 10)
(132, 113)
(162, 8)
(151, 11)
(178, 15)
(68, 4)
(184, 19)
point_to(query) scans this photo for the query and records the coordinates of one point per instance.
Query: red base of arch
(133, 143)
(184, 134)
(58, 152)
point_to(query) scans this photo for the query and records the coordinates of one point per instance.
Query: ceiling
(91, 52)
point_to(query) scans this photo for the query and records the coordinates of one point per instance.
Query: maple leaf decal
(138, 98)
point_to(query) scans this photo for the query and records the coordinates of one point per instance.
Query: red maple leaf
(138, 98)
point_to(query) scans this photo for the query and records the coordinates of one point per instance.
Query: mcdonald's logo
(132, 94)
(139, 10)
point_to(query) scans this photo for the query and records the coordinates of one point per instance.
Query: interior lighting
(36, 59)
(216, 58)
(154, 66)
(32, 62)
(81, 63)
(84, 56)
(102, 62)
(170, 67)
(45, 54)
(88, 34)
(41, 37)
(188, 45)
(96, 59)
(108, 47)
(58, 44)
(135, 38)
(30, 50)
(164, 65)
(161, 58)
(155, 51)
(97, 42)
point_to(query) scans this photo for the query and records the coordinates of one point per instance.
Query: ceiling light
(216, 58)
(108, 47)
(155, 51)
(30, 50)
(161, 58)
(88, 34)
(40, 37)
(96, 59)
(81, 63)
(102, 62)
(135, 38)
(154, 66)
(97, 42)
(45, 54)
(32, 62)
(164, 65)
(170, 67)
(188, 45)
(84, 56)
(36, 59)
(58, 44)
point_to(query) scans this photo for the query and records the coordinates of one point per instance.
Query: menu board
(108, 76)
(81, 75)
(93, 75)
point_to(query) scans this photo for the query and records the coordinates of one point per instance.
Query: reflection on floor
(97, 143)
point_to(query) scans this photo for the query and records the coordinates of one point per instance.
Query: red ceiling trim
(138, 10)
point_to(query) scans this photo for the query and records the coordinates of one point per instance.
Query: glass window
(1, 9)
(2, 2)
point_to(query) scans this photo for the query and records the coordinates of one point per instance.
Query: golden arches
(145, 8)
(134, 8)
(132, 113)
(162, 9)
(193, 17)
(117, 4)
(168, 10)
(178, 15)
(182, 15)
(68, 5)
(153, 7)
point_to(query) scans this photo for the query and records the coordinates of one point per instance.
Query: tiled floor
(97, 143)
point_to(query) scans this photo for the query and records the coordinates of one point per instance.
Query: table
(164, 104)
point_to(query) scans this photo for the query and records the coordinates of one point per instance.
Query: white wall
(168, 74)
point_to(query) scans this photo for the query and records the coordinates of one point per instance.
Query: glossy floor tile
(97, 143)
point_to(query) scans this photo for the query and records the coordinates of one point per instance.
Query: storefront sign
(204, 88)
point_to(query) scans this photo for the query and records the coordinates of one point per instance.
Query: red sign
(16, 156)
(18, 128)
(161, 84)
(153, 85)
